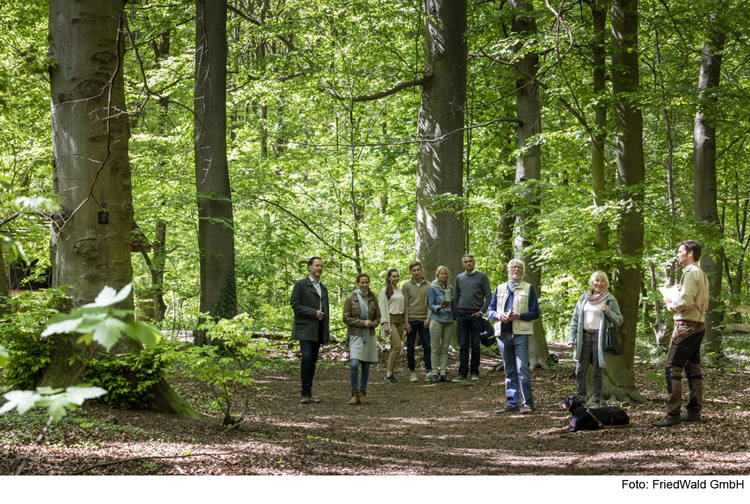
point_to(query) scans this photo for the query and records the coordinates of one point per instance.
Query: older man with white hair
(514, 307)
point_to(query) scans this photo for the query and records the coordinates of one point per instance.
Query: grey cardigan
(576, 326)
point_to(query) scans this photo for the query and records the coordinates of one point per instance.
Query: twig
(120, 461)
(36, 443)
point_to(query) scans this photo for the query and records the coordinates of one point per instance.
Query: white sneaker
(413, 377)
(428, 376)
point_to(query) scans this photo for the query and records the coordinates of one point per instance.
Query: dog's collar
(579, 408)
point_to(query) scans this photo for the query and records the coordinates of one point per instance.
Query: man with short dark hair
(471, 300)
(684, 351)
(310, 305)
(417, 319)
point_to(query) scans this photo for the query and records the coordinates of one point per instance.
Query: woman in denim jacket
(441, 322)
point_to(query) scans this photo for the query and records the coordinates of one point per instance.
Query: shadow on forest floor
(408, 428)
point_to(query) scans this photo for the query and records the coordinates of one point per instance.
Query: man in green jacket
(684, 352)
(310, 305)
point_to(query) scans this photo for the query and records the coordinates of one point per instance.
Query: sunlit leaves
(57, 401)
(100, 322)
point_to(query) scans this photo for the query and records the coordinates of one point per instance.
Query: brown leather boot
(362, 397)
(355, 398)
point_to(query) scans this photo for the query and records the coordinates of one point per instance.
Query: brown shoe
(314, 400)
(362, 397)
(306, 400)
(355, 398)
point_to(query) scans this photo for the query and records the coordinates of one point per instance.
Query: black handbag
(612, 344)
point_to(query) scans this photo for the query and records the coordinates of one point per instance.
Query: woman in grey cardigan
(596, 310)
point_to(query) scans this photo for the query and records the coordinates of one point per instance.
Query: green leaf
(63, 323)
(144, 333)
(109, 332)
(3, 356)
(86, 338)
(108, 296)
(77, 395)
(22, 400)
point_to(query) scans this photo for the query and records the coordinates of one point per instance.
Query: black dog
(584, 418)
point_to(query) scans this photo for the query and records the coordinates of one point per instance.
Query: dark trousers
(309, 351)
(685, 353)
(417, 326)
(469, 329)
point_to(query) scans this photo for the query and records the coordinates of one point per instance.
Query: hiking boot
(413, 376)
(435, 378)
(527, 410)
(355, 398)
(668, 421)
(506, 409)
(460, 379)
(689, 416)
(362, 397)
(474, 377)
(444, 378)
(391, 379)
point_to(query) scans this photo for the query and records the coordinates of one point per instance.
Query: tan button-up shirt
(692, 302)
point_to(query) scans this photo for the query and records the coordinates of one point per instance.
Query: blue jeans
(358, 384)
(309, 351)
(424, 335)
(515, 352)
(469, 329)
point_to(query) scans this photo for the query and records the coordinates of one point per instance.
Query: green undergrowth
(71, 431)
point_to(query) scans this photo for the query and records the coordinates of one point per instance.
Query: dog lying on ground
(584, 418)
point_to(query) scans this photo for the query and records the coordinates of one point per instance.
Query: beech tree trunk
(529, 168)
(704, 189)
(619, 375)
(439, 226)
(215, 220)
(91, 235)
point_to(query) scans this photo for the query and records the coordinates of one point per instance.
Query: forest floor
(409, 428)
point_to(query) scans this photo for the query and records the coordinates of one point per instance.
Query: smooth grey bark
(439, 225)
(529, 168)
(619, 375)
(215, 218)
(704, 188)
(91, 235)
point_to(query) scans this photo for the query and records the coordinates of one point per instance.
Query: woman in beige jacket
(362, 316)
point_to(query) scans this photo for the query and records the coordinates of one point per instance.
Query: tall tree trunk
(704, 188)
(215, 220)
(90, 246)
(440, 234)
(528, 168)
(4, 290)
(599, 15)
(619, 375)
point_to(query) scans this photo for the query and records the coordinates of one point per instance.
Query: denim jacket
(434, 299)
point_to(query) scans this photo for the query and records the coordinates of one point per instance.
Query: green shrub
(129, 378)
(20, 333)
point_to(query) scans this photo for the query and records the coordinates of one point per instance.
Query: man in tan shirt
(417, 319)
(684, 352)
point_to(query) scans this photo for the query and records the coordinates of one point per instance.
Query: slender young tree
(439, 227)
(529, 167)
(704, 185)
(619, 382)
(215, 219)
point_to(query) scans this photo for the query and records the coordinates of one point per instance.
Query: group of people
(433, 309)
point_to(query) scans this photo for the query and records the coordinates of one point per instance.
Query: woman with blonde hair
(439, 299)
(595, 310)
(362, 316)
(392, 311)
